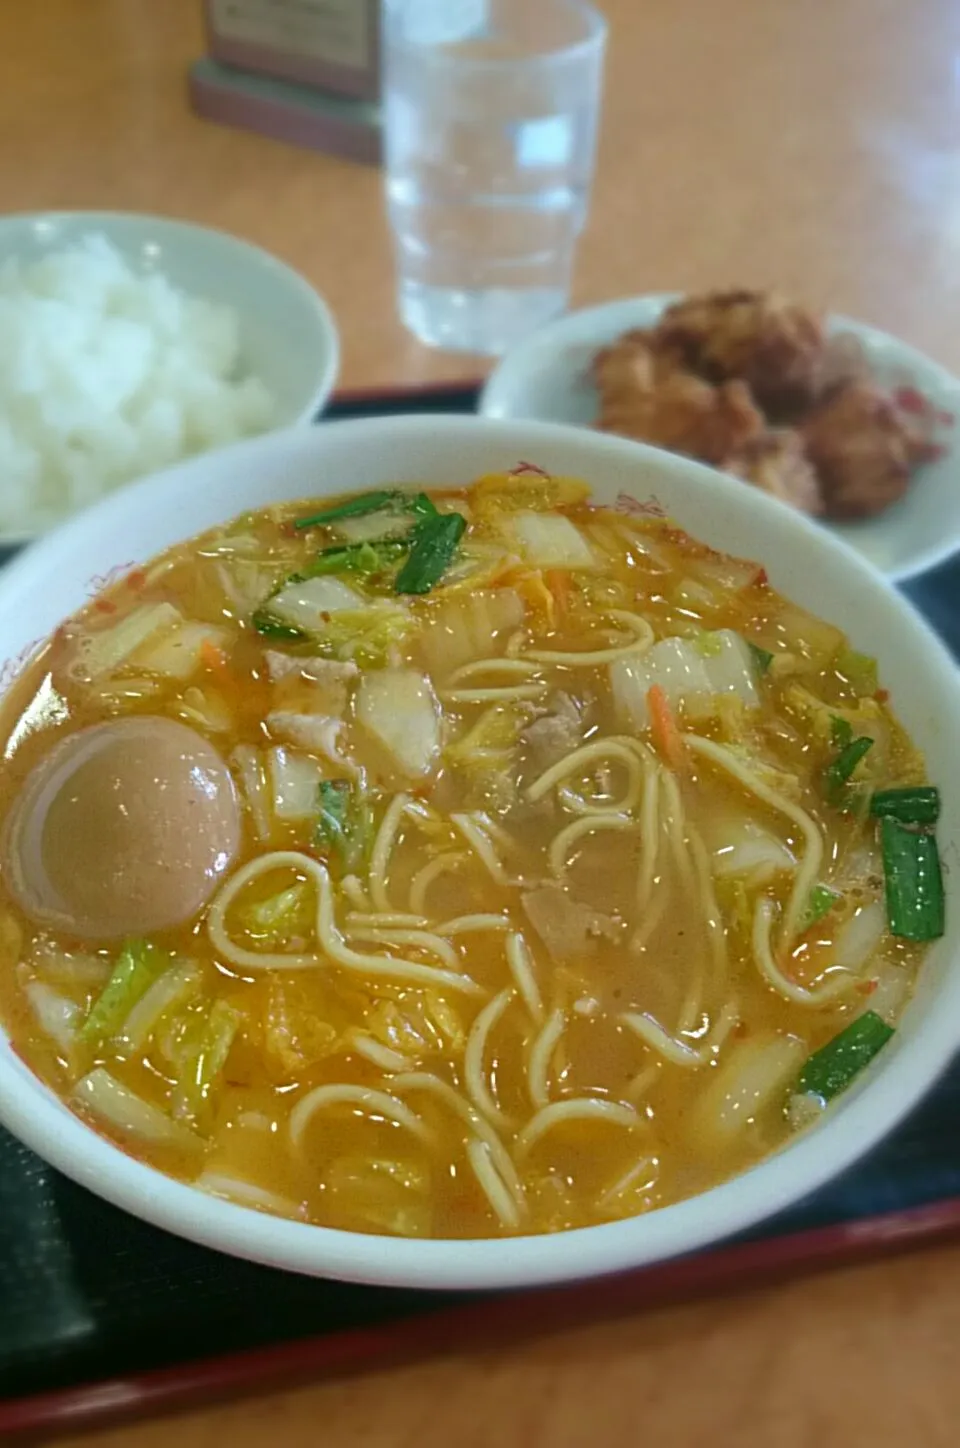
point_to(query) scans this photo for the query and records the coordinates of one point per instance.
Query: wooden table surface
(815, 146)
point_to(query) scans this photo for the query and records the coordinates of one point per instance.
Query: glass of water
(491, 111)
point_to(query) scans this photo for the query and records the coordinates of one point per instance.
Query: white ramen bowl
(546, 376)
(57, 575)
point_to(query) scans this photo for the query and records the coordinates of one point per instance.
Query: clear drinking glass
(491, 111)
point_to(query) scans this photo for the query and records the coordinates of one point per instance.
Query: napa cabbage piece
(724, 574)
(480, 562)
(97, 652)
(529, 491)
(814, 638)
(473, 626)
(57, 1016)
(295, 1032)
(694, 675)
(485, 755)
(859, 670)
(78, 970)
(839, 725)
(399, 710)
(206, 709)
(548, 540)
(203, 1047)
(345, 822)
(387, 1194)
(168, 994)
(245, 581)
(246, 764)
(101, 1095)
(289, 912)
(891, 984)
(178, 653)
(305, 603)
(372, 635)
(859, 936)
(372, 527)
(752, 1081)
(743, 848)
(294, 780)
(137, 967)
(418, 1026)
(591, 594)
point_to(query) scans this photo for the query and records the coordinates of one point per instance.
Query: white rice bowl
(107, 373)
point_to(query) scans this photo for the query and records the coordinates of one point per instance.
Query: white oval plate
(547, 377)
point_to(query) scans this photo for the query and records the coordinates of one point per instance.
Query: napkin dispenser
(302, 71)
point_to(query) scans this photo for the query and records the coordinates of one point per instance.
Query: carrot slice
(666, 734)
(212, 657)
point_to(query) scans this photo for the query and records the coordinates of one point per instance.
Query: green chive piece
(423, 506)
(820, 902)
(435, 541)
(917, 806)
(762, 658)
(837, 774)
(354, 508)
(270, 627)
(841, 731)
(831, 1069)
(911, 865)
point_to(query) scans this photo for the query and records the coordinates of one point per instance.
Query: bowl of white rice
(130, 342)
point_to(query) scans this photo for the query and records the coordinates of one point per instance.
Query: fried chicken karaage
(751, 383)
(643, 396)
(760, 339)
(864, 448)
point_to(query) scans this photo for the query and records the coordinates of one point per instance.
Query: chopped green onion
(763, 658)
(841, 731)
(917, 806)
(838, 773)
(435, 541)
(423, 506)
(392, 500)
(270, 627)
(354, 508)
(820, 902)
(831, 1069)
(914, 883)
(138, 965)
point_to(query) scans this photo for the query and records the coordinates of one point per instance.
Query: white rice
(106, 375)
